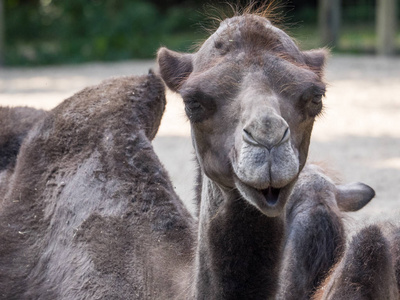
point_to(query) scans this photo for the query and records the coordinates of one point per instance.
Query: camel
(251, 97)
(366, 271)
(315, 232)
(90, 211)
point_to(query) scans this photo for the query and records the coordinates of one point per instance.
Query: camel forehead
(248, 38)
(231, 74)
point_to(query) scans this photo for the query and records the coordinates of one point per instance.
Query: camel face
(251, 96)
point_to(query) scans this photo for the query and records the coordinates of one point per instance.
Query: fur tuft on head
(269, 9)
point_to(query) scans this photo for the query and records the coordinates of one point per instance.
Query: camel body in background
(368, 269)
(89, 211)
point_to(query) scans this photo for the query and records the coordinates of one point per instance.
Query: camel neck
(238, 249)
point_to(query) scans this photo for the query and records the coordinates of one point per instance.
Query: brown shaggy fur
(90, 212)
(366, 270)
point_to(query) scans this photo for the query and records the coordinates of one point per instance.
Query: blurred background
(38, 32)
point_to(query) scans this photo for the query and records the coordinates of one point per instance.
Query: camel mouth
(270, 201)
(271, 195)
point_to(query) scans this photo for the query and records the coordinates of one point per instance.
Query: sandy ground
(358, 135)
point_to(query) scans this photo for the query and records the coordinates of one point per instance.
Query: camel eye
(318, 93)
(315, 106)
(317, 99)
(195, 111)
(311, 101)
(313, 94)
(193, 108)
(198, 106)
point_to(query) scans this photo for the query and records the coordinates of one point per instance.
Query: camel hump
(354, 196)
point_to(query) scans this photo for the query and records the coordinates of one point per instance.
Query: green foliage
(60, 31)
(70, 31)
(363, 11)
(307, 14)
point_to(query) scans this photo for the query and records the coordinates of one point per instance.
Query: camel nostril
(247, 137)
(285, 136)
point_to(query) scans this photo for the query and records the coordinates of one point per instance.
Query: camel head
(315, 185)
(251, 97)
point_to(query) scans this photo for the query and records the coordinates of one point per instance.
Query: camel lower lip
(269, 201)
(271, 195)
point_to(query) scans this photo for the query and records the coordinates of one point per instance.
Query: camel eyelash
(194, 109)
(313, 94)
(317, 99)
(199, 98)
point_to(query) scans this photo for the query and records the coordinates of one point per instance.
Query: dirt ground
(358, 135)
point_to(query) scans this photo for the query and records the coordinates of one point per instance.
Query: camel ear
(353, 196)
(316, 59)
(174, 67)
